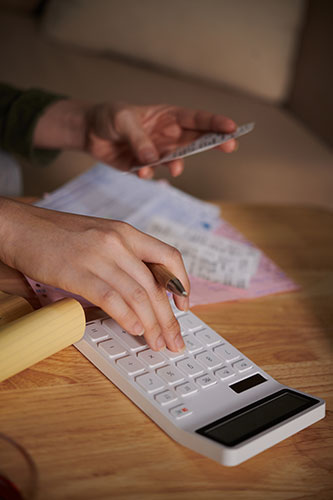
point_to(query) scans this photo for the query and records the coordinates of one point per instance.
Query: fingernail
(138, 329)
(148, 156)
(160, 343)
(179, 343)
(149, 175)
(231, 124)
(236, 147)
(184, 304)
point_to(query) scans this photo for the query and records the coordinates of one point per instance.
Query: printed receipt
(208, 256)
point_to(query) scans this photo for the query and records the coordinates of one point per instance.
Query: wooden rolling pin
(39, 334)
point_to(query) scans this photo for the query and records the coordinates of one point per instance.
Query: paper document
(214, 258)
(211, 247)
(104, 192)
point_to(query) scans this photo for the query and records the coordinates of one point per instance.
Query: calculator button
(224, 373)
(186, 389)
(113, 348)
(192, 344)
(226, 352)
(172, 355)
(242, 365)
(189, 323)
(207, 337)
(166, 397)
(209, 360)
(170, 374)
(96, 333)
(150, 382)
(190, 367)
(180, 411)
(131, 365)
(133, 343)
(151, 358)
(206, 381)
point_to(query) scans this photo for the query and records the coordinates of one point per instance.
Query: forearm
(8, 214)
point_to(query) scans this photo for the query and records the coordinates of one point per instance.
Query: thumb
(131, 129)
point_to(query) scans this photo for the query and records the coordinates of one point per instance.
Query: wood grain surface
(89, 441)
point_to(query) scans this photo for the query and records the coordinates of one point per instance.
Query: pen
(165, 278)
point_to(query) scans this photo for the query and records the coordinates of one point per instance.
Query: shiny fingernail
(160, 343)
(180, 343)
(138, 329)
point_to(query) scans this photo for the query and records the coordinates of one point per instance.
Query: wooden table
(90, 442)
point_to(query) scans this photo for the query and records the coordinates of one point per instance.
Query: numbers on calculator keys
(133, 343)
(242, 365)
(170, 374)
(131, 365)
(224, 373)
(189, 323)
(206, 381)
(190, 367)
(96, 333)
(150, 382)
(209, 360)
(166, 397)
(207, 337)
(227, 352)
(186, 389)
(172, 355)
(112, 348)
(192, 343)
(151, 358)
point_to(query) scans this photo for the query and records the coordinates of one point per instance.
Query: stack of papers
(207, 256)
(221, 263)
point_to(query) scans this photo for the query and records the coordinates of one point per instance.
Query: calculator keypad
(165, 397)
(131, 365)
(186, 389)
(189, 367)
(170, 374)
(166, 376)
(150, 382)
(151, 358)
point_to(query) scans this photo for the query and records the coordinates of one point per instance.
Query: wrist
(63, 125)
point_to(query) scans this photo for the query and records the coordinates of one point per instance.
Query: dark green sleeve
(19, 113)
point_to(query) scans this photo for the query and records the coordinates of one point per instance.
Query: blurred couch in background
(267, 61)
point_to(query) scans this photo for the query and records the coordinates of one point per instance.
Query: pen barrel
(165, 278)
(161, 273)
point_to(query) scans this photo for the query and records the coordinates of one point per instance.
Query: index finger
(204, 121)
(150, 249)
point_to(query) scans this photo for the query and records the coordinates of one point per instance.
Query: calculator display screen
(257, 417)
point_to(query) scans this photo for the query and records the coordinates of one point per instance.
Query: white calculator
(210, 398)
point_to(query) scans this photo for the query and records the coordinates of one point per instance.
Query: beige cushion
(281, 161)
(245, 44)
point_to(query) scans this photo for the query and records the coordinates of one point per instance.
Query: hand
(101, 260)
(124, 136)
